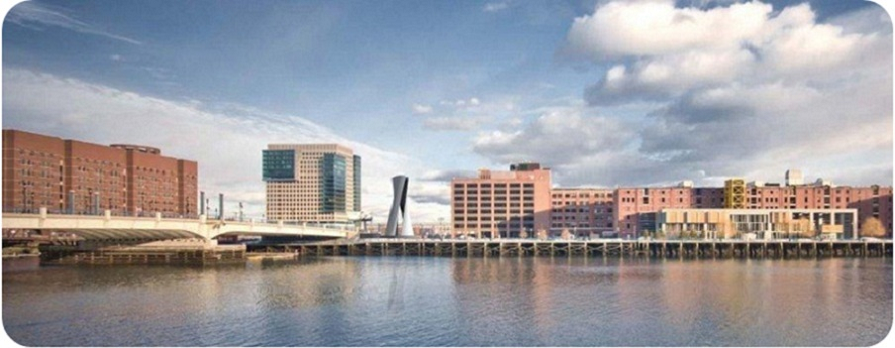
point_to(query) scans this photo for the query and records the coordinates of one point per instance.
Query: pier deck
(553, 248)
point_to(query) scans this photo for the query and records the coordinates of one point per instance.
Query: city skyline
(475, 85)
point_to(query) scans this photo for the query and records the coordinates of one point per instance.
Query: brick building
(637, 207)
(582, 211)
(75, 177)
(502, 203)
(628, 212)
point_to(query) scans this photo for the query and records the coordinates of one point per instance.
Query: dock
(598, 248)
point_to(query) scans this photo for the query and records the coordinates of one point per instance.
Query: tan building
(502, 203)
(75, 177)
(760, 223)
(311, 182)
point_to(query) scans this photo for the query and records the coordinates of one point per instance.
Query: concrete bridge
(108, 227)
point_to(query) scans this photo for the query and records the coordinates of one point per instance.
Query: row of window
(582, 195)
(494, 185)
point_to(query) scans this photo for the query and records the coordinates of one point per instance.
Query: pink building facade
(636, 207)
(582, 211)
(508, 203)
(502, 203)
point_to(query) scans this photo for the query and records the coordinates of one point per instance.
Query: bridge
(108, 227)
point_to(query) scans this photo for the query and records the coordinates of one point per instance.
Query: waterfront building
(629, 212)
(76, 177)
(635, 208)
(311, 182)
(735, 194)
(583, 212)
(758, 223)
(502, 203)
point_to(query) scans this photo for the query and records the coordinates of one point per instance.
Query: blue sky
(605, 92)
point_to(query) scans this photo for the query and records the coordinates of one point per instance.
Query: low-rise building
(763, 223)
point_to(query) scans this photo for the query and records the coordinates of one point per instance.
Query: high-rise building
(502, 203)
(311, 182)
(75, 177)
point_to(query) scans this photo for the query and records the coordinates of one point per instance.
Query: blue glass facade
(278, 165)
(332, 183)
(356, 183)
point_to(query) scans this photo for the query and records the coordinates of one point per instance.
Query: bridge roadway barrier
(108, 227)
(602, 248)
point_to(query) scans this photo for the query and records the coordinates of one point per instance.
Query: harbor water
(442, 301)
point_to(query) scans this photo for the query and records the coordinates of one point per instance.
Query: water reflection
(395, 301)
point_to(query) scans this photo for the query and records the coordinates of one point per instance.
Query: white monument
(399, 208)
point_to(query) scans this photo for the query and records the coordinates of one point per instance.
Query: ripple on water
(455, 302)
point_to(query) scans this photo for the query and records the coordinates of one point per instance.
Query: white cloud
(453, 123)
(461, 103)
(661, 51)
(420, 109)
(556, 137)
(496, 6)
(619, 29)
(36, 15)
(225, 139)
(730, 91)
(467, 114)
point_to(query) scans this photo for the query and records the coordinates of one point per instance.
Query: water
(429, 301)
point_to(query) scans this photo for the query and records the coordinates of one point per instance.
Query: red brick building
(636, 207)
(581, 211)
(480, 205)
(75, 177)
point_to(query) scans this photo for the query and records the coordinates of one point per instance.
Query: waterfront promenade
(600, 248)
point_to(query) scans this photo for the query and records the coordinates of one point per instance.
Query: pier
(175, 252)
(597, 248)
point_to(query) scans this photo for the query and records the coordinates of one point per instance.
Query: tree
(805, 228)
(542, 234)
(872, 227)
(523, 234)
(565, 234)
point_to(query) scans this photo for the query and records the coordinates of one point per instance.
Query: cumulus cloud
(730, 90)
(660, 51)
(36, 15)
(560, 136)
(226, 139)
(464, 114)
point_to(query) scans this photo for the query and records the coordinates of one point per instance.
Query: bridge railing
(145, 213)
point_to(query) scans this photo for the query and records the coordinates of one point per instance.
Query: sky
(606, 93)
